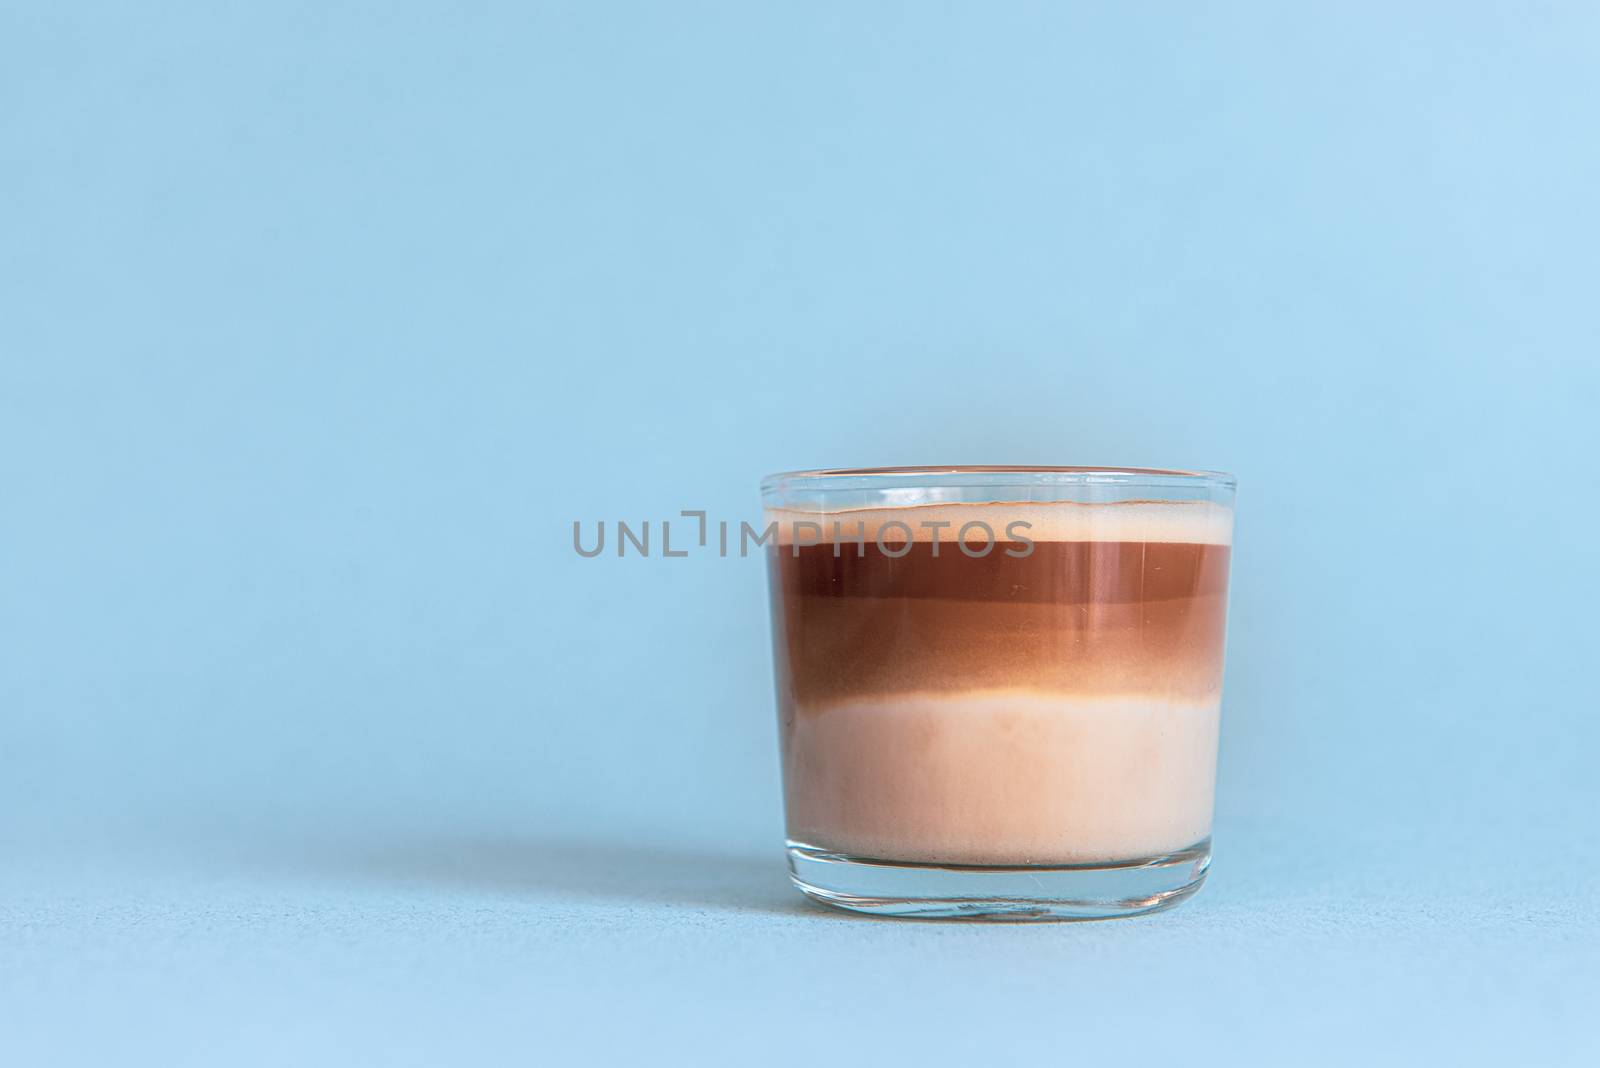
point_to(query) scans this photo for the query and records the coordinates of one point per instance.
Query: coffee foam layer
(1188, 522)
(1006, 776)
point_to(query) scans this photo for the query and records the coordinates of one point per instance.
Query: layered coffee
(1000, 684)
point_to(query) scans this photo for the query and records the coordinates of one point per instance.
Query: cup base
(1034, 892)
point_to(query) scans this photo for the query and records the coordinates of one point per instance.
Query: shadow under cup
(999, 688)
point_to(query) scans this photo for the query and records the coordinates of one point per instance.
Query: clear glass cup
(999, 687)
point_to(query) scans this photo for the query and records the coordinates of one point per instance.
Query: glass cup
(999, 687)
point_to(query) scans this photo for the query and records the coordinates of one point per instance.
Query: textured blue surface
(320, 324)
(425, 948)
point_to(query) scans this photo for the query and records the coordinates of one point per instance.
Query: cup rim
(1009, 475)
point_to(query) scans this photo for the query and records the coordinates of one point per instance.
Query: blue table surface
(313, 946)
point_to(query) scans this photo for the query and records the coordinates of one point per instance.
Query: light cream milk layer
(1003, 777)
(1195, 522)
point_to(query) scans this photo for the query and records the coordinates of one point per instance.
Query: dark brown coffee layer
(1073, 617)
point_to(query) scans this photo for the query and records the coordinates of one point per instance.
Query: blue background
(321, 323)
